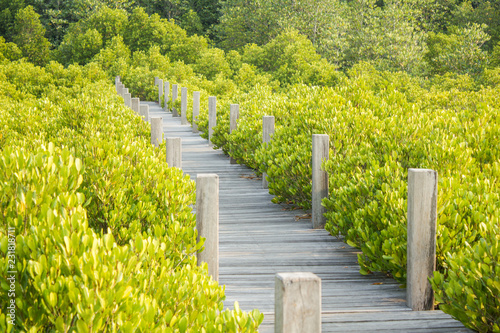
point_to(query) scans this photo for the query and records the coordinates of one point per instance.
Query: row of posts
(296, 310)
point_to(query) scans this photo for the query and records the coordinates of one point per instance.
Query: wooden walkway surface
(259, 239)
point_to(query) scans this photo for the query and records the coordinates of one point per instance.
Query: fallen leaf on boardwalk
(250, 177)
(300, 217)
(378, 283)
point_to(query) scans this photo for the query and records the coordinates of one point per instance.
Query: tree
(9, 51)
(209, 12)
(460, 51)
(29, 35)
(387, 37)
(86, 37)
(246, 21)
(8, 11)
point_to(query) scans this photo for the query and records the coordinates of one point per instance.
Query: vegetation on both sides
(104, 231)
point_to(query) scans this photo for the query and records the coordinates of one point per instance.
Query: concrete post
(128, 100)
(119, 88)
(297, 305)
(156, 131)
(144, 112)
(174, 98)
(156, 80)
(234, 114)
(267, 131)
(196, 110)
(184, 106)
(167, 96)
(207, 221)
(135, 104)
(320, 151)
(212, 117)
(174, 152)
(421, 238)
(160, 90)
(117, 82)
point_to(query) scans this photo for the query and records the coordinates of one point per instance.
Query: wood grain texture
(259, 239)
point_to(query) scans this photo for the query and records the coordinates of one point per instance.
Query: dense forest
(421, 37)
(395, 84)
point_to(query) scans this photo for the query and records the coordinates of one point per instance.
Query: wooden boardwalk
(259, 239)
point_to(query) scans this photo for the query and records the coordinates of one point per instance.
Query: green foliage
(387, 37)
(8, 11)
(9, 51)
(29, 36)
(191, 22)
(468, 287)
(187, 49)
(245, 22)
(212, 62)
(114, 58)
(458, 52)
(291, 58)
(87, 37)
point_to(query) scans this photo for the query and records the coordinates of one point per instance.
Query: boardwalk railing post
(127, 97)
(174, 98)
(156, 131)
(184, 106)
(267, 131)
(144, 108)
(234, 114)
(421, 238)
(174, 152)
(117, 83)
(207, 221)
(196, 110)
(320, 151)
(119, 88)
(135, 104)
(160, 91)
(297, 304)
(212, 117)
(167, 95)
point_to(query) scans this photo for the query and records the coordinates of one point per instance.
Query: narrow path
(259, 239)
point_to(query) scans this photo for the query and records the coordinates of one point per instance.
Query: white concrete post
(267, 131)
(421, 238)
(297, 304)
(207, 221)
(144, 112)
(196, 110)
(184, 105)
(135, 104)
(174, 152)
(156, 80)
(156, 131)
(174, 98)
(119, 88)
(234, 114)
(212, 117)
(320, 150)
(128, 100)
(167, 96)
(160, 90)
(117, 82)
